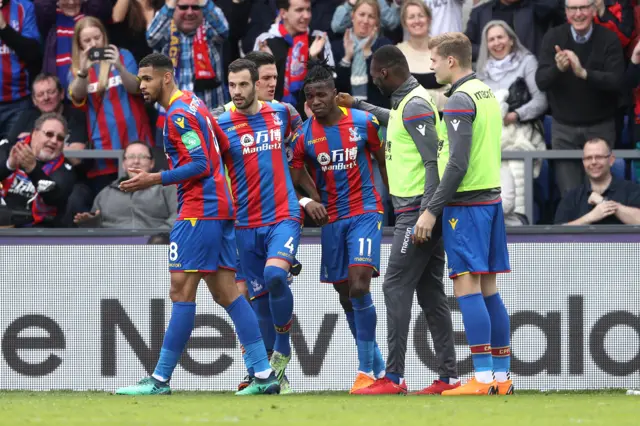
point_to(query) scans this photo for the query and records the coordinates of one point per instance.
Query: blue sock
(246, 324)
(265, 321)
(477, 327)
(500, 333)
(365, 316)
(395, 378)
(378, 361)
(281, 303)
(250, 370)
(183, 318)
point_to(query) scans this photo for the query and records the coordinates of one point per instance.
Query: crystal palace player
(337, 144)
(202, 239)
(268, 222)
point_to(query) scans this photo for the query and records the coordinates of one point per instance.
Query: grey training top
(419, 121)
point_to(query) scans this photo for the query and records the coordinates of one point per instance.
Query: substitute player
(268, 221)
(337, 143)
(472, 221)
(413, 269)
(202, 239)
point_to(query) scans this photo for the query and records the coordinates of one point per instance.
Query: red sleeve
(297, 160)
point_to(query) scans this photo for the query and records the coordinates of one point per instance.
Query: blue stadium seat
(541, 191)
(618, 169)
(546, 122)
(625, 142)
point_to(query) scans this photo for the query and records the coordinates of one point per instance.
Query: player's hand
(317, 212)
(264, 47)
(602, 210)
(344, 100)
(562, 60)
(423, 228)
(635, 56)
(84, 217)
(595, 199)
(141, 180)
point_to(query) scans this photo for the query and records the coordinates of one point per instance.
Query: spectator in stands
(632, 78)
(56, 21)
(616, 15)
(416, 19)
(155, 207)
(292, 44)
(355, 50)
(447, 16)
(188, 29)
(48, 95)
(581, 69)
(343, 17)
(108, 91)
(509, 69)
(530, 19)
(159, 239)
(20, 59)
(508, 195)
(604, 200)
(36, 180)
(129, 22)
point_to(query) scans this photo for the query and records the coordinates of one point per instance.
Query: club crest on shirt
(276, 119)
(180, 122)
(354, 136)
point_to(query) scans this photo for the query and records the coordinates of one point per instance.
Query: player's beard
(247, 102)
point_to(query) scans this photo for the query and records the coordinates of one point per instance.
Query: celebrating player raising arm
(473, 224)
(268, 220)
(337, 144)
(202, 239)
(411, 156)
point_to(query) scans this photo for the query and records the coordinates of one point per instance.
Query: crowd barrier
(87, 309)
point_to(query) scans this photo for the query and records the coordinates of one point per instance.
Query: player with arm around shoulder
(336, 144)
(473, 228)
(202, 239)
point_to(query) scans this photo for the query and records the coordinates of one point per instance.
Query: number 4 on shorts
(289, 245)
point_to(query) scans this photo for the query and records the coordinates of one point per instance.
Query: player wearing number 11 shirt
(202, 239)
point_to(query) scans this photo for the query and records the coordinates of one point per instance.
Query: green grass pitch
(322, 409)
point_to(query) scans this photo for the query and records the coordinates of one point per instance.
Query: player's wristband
(304, 201)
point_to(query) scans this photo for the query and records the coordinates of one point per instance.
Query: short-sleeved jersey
(339, 159)
(191, 139)
(254, 154)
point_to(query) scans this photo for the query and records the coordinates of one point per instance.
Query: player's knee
(275, 279)
(343, 293)
(359, 280)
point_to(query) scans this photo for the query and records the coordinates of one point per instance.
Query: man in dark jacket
(36, 180)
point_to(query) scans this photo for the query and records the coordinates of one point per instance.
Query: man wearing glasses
(36, 180)
(155, 207)
(581, 68)
(47, 96)
(604, 200)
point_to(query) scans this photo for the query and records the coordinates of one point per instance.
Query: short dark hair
(260, 58)
(51, 116)
(44, 76)
(390, 56)
(283, 4)
(244, 64)
(156, 60)
(319, 71)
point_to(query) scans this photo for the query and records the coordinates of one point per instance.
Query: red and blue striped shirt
(257, 163)
(114, 117)
(339, 159)
(191, 143)
(14, 77)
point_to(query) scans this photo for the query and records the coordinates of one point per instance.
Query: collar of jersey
(344, 111)
(233, 107)
(175, 96)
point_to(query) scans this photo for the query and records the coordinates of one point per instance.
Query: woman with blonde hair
(355, 50)
(104, 84)
(415, 17)
(509, 69)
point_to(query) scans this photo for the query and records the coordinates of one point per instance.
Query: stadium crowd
(566, 73)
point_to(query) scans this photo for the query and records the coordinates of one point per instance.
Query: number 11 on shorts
(362, 243)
